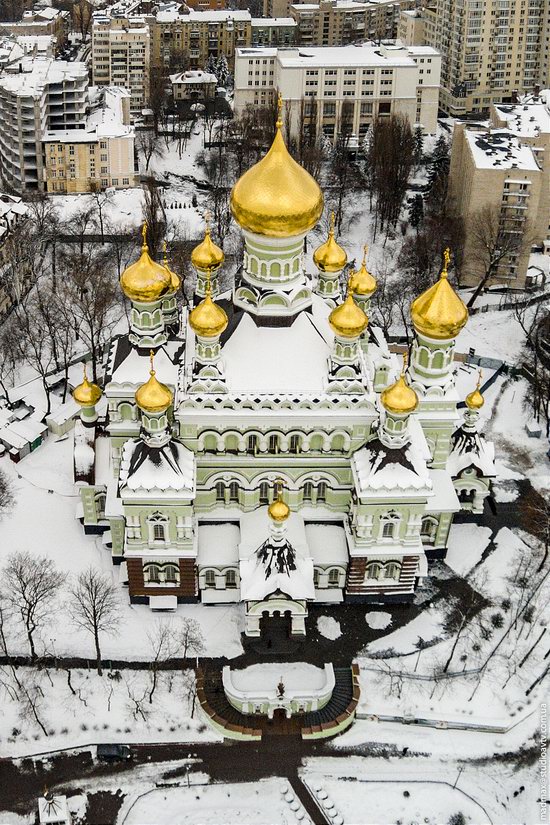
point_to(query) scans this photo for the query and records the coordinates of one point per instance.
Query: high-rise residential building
(490, 48)
(100, 155)
(273, 31)
(410, 27)
(40, 21)
(37, 94)
(331, 85)
(121, 55)
(499, 171)
(198, 35)
(338, 22)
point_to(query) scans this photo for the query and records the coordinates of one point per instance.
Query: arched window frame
(392, 570)
(373, 570)
(333, 579)
(231, 578)
(210, 577)
(158, 529)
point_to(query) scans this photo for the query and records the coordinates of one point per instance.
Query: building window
(308, 491)
(273, 443)
(210, 578)
(373, 570)
(295, 443)
(158, 532)
(388, 530)
(220, 491)
(334, 577)
(151, 573)
(171, 574)
(428, 530)
(231, 579)
(234, 491)
(322, 491)
(316, 577)
(392, 570)
(253, 444)
(157, 528)
(264, 492)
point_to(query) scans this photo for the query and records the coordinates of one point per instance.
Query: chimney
(515, 98)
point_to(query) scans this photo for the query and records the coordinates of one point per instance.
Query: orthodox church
(266, 446)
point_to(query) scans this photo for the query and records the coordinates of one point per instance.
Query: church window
(220, 491)
(210, 578)
(295, 443)
(234, 491)
(273, 443)
(157, 528)
(428, 530)
(158, 532)
(100, 503)
(264, 492)
(334, 577)
(308, 491)
(231, 579)
(151, 573)
(373, 570)
(253, 444)
(322, 491)
(388, 530)
(171, 574)
(316, 577)
(392, 570)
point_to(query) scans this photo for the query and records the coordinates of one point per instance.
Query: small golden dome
(175, 280)
(153, 397)
(145, 281)
(87, 394)
(278, 511)
(208, 319)
(347, 319)
(439, 312)
(361, 281)
(400, 399)
(474, 399)
(277, 197)
(330, 257)
(207, 255)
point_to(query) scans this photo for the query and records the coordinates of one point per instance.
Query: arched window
(334, 578)
(234, 491)
(100, 500)
(308, 491)
(373, 570)
(273, 443)
(171, 574)
(151, 573)
(389, 524)
(158, 528)
(316, 577)
(220, 491)
(322, 491)
(392, 570)
(210, 578)
(388, 530)
(231, 578)
(295, 444)
(264, 492)
(428, 530)
(253, 444)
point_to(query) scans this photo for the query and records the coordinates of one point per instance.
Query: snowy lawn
(378, 619)
(89, 708)
(329, 627)
(54, 531)
(425, 626)
(259, 803)
(466, 545)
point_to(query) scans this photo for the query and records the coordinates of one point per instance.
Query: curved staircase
(334, 718)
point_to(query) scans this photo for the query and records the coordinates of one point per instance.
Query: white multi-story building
(37, 94)
(351, 84)
(121, 55)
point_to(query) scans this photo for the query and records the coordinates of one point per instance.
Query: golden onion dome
(278, 511)
(207, 319)
(87, 394)
(474, 399)
(400, 399)
(277, 197)
(347, 319)
(361, 281)
(207, 255)
(330, 257)
(175, 280)
(145, 281)
(153, 397)
(439, 312)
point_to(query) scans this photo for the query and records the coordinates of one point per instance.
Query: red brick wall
(187, 586)
(356, 577)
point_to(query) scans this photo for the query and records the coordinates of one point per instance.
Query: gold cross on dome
(207, 217)
(332, 221)
(279, 122)
(446, 260)
(152, 360)
(365, 250)
(144, 234)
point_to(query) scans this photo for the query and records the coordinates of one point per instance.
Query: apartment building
(273, 31)
(410, 27)
(276, 8)
(100, 155)
(338, 22)
(331, 85)
(40, 21)
(121, 55)
(13, 213)
(198, 35)
(490, 48)
(503, 167)
(37, 94)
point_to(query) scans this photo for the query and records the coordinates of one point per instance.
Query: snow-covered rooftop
(145, 468)
(193, 76)
(364, 54)
(500, 149)
(529, 118)
(38, 72)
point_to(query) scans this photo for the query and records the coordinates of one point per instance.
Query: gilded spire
(439, 313)
(86, 394)
(348, 319)
(278, 511)
(153, 397)
(330, 257)
(361, 281)
(474, 399)
(279, 121)
(144, 247)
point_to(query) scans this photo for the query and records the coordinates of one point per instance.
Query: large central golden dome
(277, 197)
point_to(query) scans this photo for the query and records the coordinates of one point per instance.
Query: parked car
(113, 753)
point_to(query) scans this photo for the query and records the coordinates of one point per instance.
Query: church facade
(266, 446)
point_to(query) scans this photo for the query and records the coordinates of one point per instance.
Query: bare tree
(390, 160)
(95, 607)
(149, 145)
(155, 216)
(101, 199)
(460, 618)
(493, 242)
(190, 689)
(32, 340)
(162, 647)
(7, 498)
(189, 637)
(31, 587)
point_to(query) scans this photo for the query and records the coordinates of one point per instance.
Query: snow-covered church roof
(160, 469)
(378, 468)
(470, 449)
